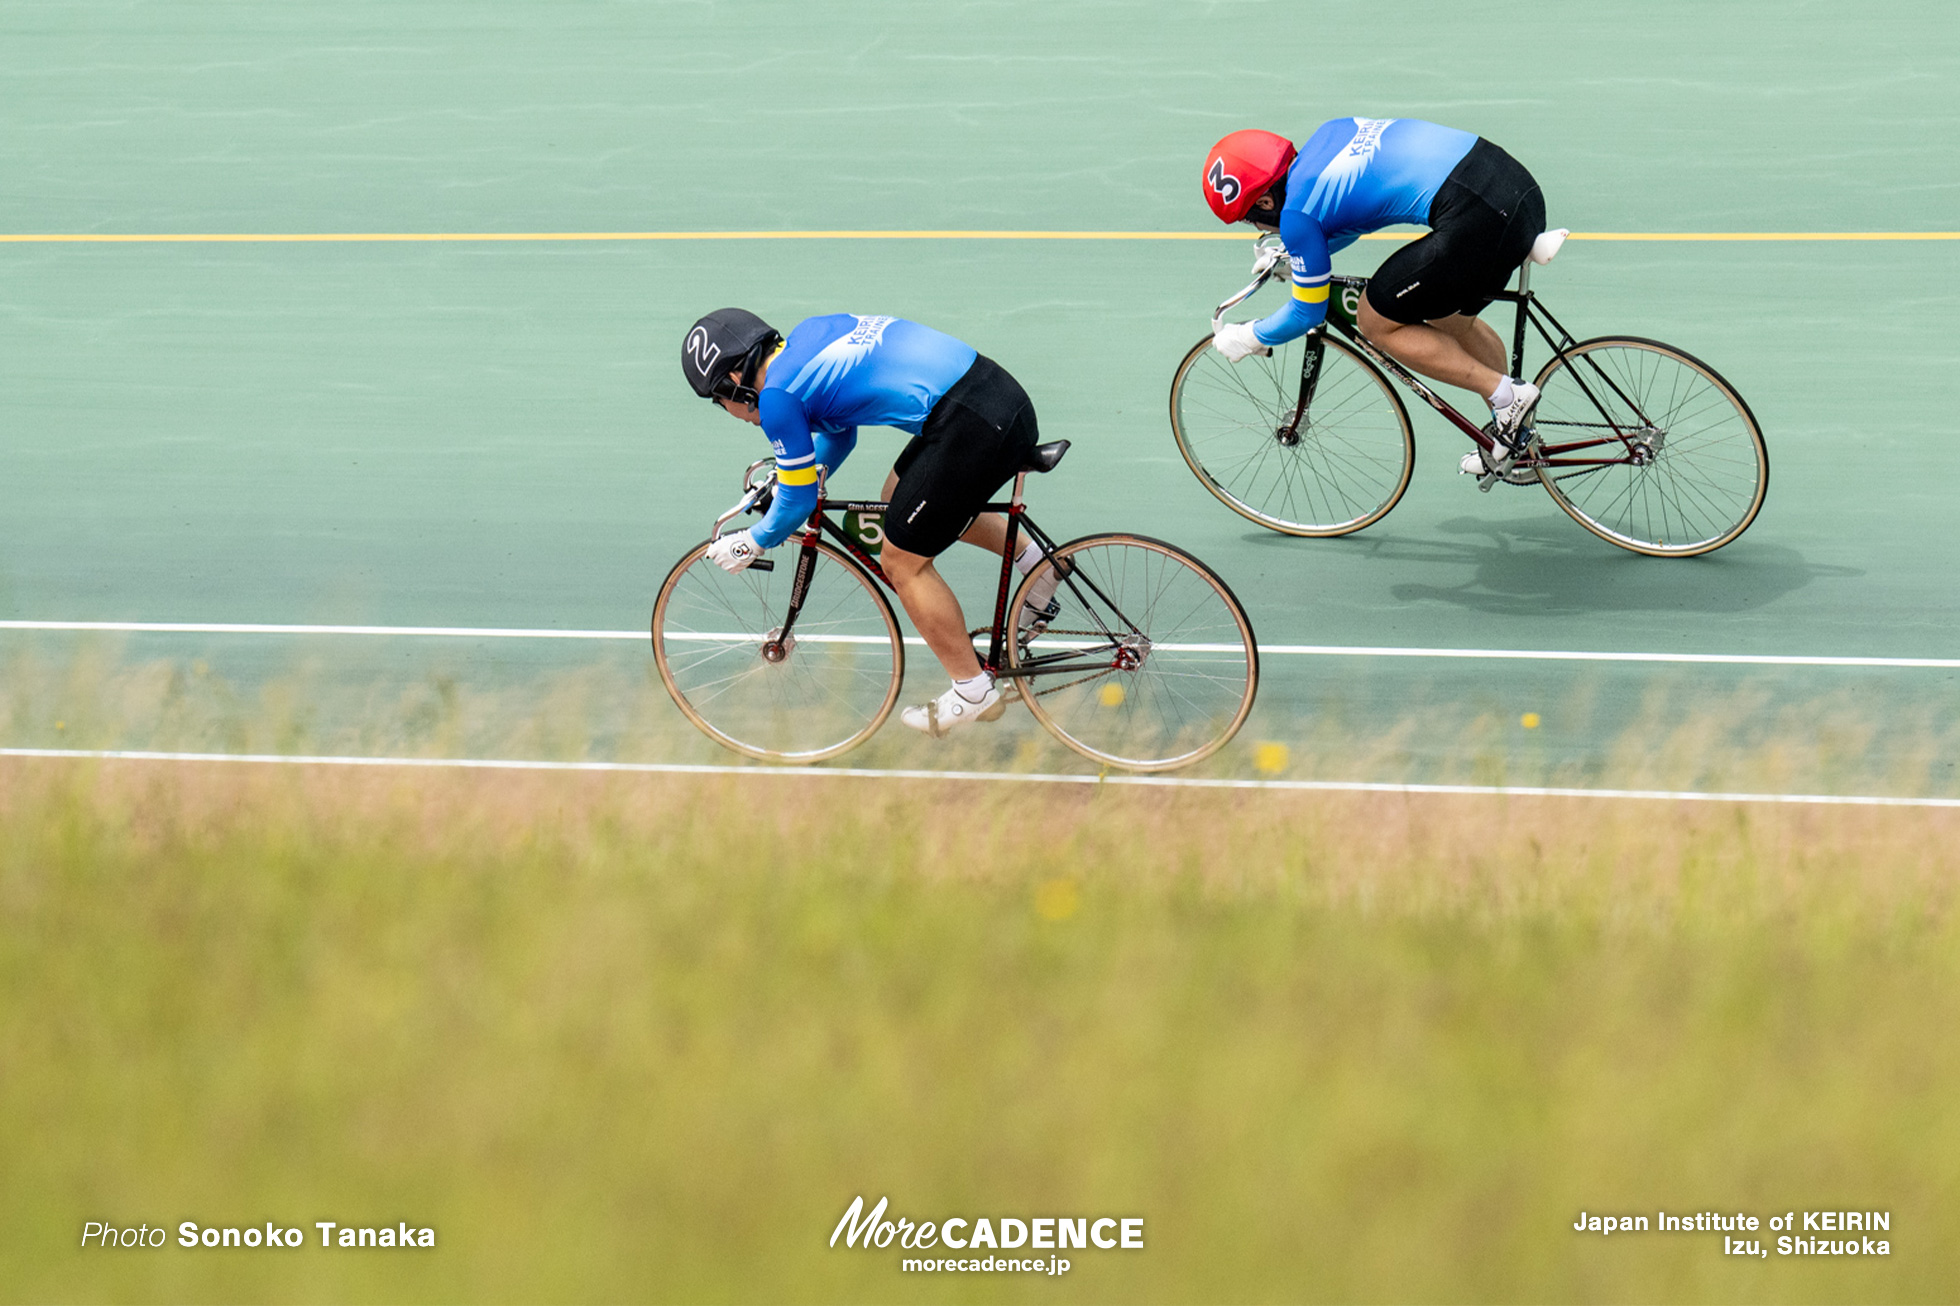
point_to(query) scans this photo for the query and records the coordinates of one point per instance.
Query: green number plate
(1343, 302)
(868, 529)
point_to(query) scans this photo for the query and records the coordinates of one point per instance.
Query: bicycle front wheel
(1150, 664)
(1699, 469)
(1340, 467)
(718, 642)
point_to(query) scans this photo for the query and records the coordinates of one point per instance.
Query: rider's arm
(833, 449)
(1306, 251)
(788, 429)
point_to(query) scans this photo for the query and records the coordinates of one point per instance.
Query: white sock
(1025, 560)
(975, 689)
(1501, 398)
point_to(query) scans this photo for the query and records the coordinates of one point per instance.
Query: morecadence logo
(971, 1234)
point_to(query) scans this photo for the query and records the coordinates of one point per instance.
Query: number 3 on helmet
(1241, 168)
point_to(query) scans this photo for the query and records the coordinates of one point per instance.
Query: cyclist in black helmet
(972, 428)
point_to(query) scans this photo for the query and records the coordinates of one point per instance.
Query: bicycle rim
(1150, 665)
(1344, 465)
(1705, 471)
(832, 690)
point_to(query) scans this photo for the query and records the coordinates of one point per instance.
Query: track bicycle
(1143, 659)
(1641, 443)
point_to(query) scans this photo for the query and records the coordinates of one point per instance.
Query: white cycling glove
(1237, 340)
(733, 553)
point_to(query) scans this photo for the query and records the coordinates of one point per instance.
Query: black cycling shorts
(974, 440)
(1484, 218)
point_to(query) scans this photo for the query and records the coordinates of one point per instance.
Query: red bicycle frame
(1343, 305)
(1015, 510)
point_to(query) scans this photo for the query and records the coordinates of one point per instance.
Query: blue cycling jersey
(833, 375)
(1353, 176)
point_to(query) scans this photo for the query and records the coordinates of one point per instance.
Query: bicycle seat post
(1543, 250)
(1020, 482)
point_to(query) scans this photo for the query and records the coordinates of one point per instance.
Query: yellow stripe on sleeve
(1310, 294)
(798, 476)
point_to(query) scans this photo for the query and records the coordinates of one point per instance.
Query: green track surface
(494, 434)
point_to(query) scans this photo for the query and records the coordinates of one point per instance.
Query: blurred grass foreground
(636, 1038)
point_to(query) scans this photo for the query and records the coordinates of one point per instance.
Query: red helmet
(1241, 168)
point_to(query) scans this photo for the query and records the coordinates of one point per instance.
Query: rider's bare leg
(1451, 350)
(1478, 338)
(930, 602)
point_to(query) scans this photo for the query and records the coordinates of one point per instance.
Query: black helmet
(727, 340)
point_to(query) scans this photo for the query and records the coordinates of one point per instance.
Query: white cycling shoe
(1509, 421)
(1040, 605)
(1497, 465)
(952, 710)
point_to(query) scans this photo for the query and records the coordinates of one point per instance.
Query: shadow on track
(1548, 567)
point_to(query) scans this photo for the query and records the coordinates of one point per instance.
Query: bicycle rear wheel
(1700, 469)
(1340, 468)
(815, 695)
(1150, 664)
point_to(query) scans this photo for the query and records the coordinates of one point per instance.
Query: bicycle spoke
(1179, 666)
(1694, 469)
(1341, 465)
(833, 682)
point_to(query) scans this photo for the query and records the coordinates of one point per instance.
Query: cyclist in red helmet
(1356, 175)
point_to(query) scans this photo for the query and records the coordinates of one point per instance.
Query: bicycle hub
(1288, 431)
(776, 649)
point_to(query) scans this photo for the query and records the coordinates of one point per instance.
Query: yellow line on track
(336, 237)
(638, 235)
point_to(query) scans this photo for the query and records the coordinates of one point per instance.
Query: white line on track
(1303, 650)
(993, 777)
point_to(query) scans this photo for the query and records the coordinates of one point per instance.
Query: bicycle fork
(779, 643)
(1288, 433)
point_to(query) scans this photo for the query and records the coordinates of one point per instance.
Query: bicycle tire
(1352, 455)
(835, 686)
(1708, 473)
(1191, 689)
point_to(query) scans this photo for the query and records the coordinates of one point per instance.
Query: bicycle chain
(1023, 687)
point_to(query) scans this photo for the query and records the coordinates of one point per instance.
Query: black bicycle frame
(1532, 311)
(1017, 520)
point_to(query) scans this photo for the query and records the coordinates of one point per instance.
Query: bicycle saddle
(1045, 456)
(1546, 247)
